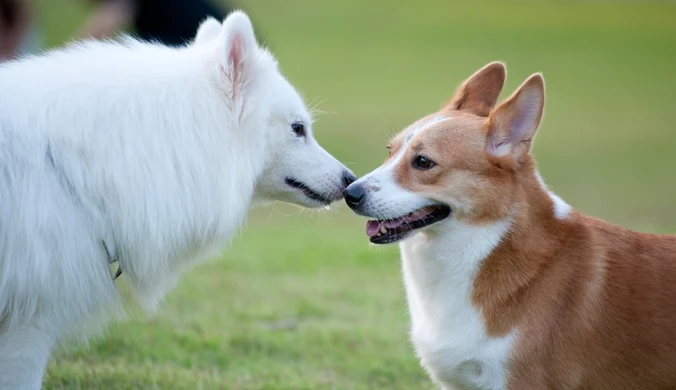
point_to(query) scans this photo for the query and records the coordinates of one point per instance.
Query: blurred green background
(301, 300)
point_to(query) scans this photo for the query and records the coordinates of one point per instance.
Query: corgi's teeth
(383, 229)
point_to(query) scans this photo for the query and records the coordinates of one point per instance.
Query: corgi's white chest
(446, 329)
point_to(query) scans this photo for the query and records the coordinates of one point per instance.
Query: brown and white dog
(508, 287)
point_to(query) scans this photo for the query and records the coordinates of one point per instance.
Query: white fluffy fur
(155, 152)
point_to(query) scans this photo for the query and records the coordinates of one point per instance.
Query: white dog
(139, 154)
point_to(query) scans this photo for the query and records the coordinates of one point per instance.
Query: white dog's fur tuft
(139, 153)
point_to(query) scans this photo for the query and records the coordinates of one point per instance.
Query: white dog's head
(297, 169)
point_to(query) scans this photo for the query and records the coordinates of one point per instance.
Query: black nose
(348, 178)
(354, 194)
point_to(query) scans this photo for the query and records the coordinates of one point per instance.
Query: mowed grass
(301, 300)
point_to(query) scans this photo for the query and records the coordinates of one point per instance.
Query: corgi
(508, 286)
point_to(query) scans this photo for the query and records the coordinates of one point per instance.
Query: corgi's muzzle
(387, 231)
(354, 194)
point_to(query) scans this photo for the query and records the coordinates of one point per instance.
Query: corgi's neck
(528, 266)
(503, 256)
(452, 253)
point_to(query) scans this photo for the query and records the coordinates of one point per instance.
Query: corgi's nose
(354, 194)
(348, 178)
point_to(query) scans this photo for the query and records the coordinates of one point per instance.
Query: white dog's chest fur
(447, 330)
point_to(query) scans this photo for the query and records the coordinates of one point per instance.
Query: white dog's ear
(240, 50)
(208, 30)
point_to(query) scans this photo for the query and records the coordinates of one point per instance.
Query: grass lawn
(301, 300)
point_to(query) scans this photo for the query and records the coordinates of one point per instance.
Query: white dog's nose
(348, 178)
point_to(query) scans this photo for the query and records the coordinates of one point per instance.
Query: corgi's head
(267, 110)
(467, 161)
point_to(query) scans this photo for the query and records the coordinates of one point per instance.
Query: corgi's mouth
(307, 191)
(391, 230)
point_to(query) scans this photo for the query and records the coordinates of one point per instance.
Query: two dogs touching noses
(153, 155)
(508, 287)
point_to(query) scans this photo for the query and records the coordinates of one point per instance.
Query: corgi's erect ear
(240, 51)
(208, 30)
(479, 93)
(513, 124)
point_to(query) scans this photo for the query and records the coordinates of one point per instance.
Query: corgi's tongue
(373, 227)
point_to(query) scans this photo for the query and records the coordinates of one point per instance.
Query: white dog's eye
(298, 128)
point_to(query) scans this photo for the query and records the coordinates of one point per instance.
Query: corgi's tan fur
(514, 289)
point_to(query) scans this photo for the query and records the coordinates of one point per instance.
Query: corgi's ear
(240, 51)
(479, 93)
(208, 30)
(513, 124)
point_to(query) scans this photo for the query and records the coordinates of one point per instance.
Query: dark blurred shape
(173, 22)
(170, 22)
(8, 12)
(14, 17)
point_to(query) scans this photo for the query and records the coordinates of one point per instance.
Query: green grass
(301, 301)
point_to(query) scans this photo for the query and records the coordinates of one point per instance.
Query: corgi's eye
(298, 128)
(389, 149)
(423, 163)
